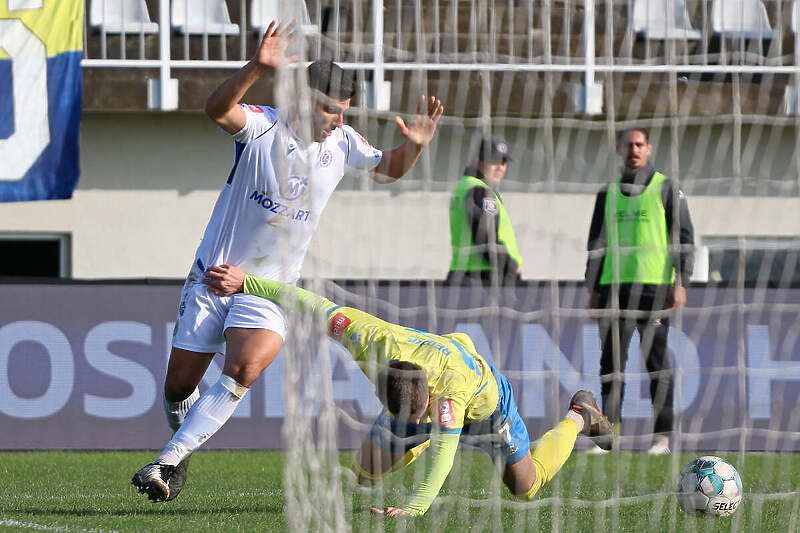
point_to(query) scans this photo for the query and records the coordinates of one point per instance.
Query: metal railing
(480, 36)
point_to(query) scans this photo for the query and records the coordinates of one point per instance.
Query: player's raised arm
(418, 134)
(226, 280)
(222, 105)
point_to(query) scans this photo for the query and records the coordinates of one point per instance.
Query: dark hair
(326, 76)
(403, 388)
(643, 131)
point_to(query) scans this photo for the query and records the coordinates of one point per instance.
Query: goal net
(716, 86)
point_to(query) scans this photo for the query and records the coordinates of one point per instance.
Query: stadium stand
(121, 16)
(741, 19)
(209, 17)
(263, 11)
(508, 37)
(663, 19)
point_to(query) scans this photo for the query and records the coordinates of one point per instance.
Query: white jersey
(268, 210)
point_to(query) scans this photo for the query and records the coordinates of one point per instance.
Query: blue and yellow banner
(41, 44)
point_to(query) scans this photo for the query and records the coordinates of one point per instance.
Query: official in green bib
(641, 255)
(482, 238)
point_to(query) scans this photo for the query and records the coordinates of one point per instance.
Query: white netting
(722, 108)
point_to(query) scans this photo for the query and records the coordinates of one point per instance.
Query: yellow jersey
(461, 384)
(456, 372)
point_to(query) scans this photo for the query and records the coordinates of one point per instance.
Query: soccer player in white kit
(283, 175)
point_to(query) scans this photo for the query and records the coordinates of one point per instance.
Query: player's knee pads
(176, 411)
(233, 386)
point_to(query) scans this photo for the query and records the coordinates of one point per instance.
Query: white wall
(120, 234)
(407, 236)
(149, 181)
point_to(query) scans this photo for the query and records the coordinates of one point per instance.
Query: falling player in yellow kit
(436, 390)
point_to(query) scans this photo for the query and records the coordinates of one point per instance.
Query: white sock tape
(233, 386)
(577, 418)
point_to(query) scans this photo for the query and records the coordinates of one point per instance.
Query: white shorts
(203, 317)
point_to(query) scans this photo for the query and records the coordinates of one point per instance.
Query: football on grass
(709, 486)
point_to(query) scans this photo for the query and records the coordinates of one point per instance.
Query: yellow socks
(368, 478)
(364, 477)
(410, 456)
(550, 454)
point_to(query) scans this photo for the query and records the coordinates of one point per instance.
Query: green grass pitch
(244, 491)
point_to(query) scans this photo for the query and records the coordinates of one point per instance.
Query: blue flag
(41, 45)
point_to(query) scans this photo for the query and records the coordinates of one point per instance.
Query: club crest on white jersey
(325, 158)
(268, 210)
(294, 187)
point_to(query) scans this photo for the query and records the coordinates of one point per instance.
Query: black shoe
(177, 479)
(595, 424)
(153, 480)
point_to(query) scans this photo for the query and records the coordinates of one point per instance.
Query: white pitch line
(43, 527)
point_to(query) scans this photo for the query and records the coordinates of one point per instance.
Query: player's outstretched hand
(224, 280)
(423, 127)
(389, 511)
(272, 50)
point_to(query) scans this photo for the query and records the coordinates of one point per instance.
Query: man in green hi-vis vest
(482, 239)
(641, 255)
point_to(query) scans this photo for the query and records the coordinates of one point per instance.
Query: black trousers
(653, 335)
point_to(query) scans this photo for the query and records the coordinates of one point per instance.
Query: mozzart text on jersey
(278, 208)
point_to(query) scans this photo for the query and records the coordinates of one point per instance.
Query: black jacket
(484, 226)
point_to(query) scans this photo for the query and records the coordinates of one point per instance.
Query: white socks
(575, 417)
(176, 411)
(205, 417)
